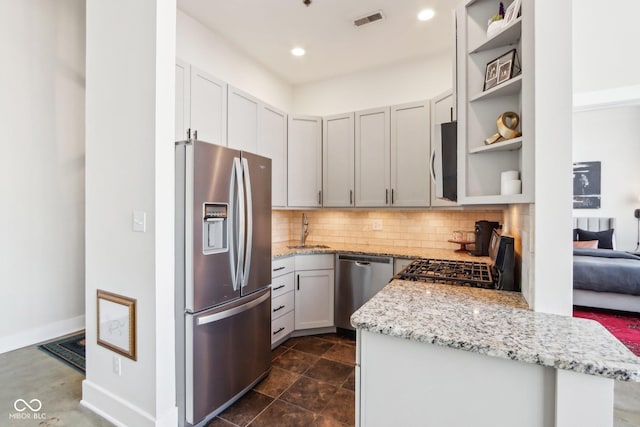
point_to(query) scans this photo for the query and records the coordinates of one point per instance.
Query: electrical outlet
(117, 365)
(377, 224)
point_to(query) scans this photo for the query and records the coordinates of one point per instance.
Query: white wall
(42, 83)
(611, 137)
(129, 158)
(605, 39)
(553, 186)
(200, 46)
(393, 84)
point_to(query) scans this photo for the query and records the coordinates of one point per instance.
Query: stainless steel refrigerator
(223, 273)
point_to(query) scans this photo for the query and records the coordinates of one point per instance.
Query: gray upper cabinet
(242, 120)
(183, 101)
(442, 111)
(410, 150)
(372, 164)
(304, 160)
(208, 109)
(272, 143)
(338, 160)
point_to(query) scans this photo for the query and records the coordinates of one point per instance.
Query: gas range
(497, 275)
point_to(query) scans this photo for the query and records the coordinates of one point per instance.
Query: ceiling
(267, 30)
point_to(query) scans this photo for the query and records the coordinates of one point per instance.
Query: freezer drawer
(228, 349)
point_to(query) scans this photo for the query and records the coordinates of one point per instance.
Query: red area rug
(625, 327)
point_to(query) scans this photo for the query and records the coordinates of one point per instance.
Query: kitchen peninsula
(517, 367)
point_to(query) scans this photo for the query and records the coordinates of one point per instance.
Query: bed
(604, 278)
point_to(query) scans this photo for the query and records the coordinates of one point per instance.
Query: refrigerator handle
(249, 216)
(241, 227)
(231, 229)
(233, 311)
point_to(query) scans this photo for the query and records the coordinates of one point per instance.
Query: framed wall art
(116, 317)
(586, 185)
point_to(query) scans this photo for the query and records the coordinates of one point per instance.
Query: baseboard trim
(41, 333)
(107, 404)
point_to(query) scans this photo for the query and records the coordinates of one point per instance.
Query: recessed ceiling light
(297, 51)
(426, 14)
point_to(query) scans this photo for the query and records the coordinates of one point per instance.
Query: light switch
(139, 221)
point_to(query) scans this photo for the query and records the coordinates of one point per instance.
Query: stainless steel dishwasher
(358, 278)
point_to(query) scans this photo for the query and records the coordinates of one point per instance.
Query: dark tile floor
(312, 383)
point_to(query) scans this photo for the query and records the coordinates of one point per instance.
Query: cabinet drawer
(314, 262)
(282, 305)
(281, 285)
(282, 266)
(281, 327)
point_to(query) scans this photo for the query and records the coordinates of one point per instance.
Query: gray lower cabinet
(314, 291)
(282, 299)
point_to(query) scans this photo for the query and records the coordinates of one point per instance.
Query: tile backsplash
(423, 229)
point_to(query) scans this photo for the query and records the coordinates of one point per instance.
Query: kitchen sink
(308, 247)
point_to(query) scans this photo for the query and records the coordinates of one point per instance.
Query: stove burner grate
(469, 273)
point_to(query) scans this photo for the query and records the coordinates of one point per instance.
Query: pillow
(604, 238)
(591, 244)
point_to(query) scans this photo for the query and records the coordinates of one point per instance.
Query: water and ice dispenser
(214, 228)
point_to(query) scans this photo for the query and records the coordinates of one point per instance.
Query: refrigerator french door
(223, 273)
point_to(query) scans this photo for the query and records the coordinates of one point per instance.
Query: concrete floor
(29, 373)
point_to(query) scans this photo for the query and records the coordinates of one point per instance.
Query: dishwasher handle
(363, 259)
(362, 263)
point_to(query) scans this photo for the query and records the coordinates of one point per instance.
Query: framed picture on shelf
(501, 69)
(491, 75)
(511, 13)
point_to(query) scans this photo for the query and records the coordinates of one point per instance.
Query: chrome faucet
(304, 232)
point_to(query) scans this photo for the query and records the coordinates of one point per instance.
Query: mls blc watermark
(27, 410)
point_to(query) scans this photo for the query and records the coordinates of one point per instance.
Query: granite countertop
(495, 323)
(281, 250)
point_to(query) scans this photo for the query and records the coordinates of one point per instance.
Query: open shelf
(510, 87)
(508, 145)
(507, 36)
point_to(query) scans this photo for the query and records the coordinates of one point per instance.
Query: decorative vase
(494, 27)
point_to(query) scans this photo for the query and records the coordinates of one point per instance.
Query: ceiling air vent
(373, 17)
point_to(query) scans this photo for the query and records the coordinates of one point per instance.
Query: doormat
(625, 327)
(70, 350)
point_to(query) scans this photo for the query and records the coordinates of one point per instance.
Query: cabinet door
(272, 143)
(208, 107)
(410, 182)
(314, 299)
(372, 158)
(242, 120)
(183, 101)
(442, 111)
(338, 160)
(304, 161)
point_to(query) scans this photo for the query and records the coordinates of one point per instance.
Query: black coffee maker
(483, 236)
